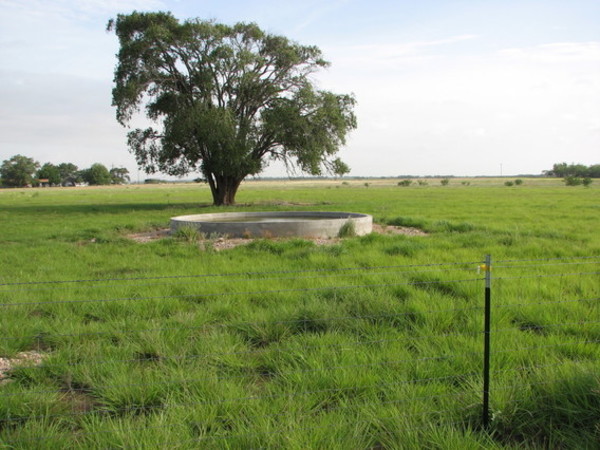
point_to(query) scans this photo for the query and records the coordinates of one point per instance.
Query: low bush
(573, 181)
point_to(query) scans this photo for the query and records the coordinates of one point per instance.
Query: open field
(370, 342)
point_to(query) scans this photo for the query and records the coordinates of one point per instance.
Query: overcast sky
(443, 87)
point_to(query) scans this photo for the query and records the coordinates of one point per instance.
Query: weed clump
(189, 234)
(347, 230)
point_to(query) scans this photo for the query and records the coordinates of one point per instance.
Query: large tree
(50, 172)
(119, 175)
(18, 171)
(69, 174)
(225, 100)
(97, 174)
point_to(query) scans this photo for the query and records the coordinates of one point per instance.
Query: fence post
(487, 267)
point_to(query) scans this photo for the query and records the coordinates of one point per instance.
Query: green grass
(278, 349)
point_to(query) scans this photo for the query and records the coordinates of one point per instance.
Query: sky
(464, 88)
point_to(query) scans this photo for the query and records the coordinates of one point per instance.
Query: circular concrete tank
(307, 224)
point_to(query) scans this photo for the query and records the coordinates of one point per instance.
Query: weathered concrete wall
(307, 224)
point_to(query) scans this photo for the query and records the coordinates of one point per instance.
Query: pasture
(363, 342)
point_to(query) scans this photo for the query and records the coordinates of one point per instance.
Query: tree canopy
(18, 171)
(97, 174)
(69, 174)
(225, 100)
(50, 172)
(119, 175)
(574, 170)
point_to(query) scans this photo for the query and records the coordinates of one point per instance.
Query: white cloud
(556, 53)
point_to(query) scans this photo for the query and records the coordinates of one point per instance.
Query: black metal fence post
(487, 267)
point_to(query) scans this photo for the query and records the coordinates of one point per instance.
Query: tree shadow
(105, 208)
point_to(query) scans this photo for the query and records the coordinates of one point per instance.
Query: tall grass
(371, 342)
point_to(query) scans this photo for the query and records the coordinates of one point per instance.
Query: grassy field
(367, 342)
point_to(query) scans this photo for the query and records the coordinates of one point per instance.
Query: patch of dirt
(31, 358)
(224, 243)
(149, 236)
(391, 229)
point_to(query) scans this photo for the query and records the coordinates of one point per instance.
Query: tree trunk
(223, 189)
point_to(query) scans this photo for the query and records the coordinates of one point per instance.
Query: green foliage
(422, 182)
(97, 174)
(445, 181)
(405, 183)
(280, 349)
(348, 229)
(407, 222)
(564, 170)
(69, 174)
(18, 171)
(228, 98)
(573, 181)
(509, 183)
(51, 173)
(119, 175)
(586, 181)
(189, 234)
(518, 182)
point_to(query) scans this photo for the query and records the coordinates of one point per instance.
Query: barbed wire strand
(562, 258)
(519, 266)
(225, 275)
(222, 294)
(205, 281)
(554, 275)
(549, 302)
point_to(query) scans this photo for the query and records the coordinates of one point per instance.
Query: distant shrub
(366, 184)
(509, 183)
(444, 181)
(586, 181)
(404, 183)
(347, 230)
(573, 181)
(345, 183)
(518, 182)
(422, 182)
(465, 183)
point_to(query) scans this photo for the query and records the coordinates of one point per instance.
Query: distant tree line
(564, 170)
(22, 171)
(574, 174)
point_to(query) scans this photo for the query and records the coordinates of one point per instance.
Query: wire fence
(257, 359)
